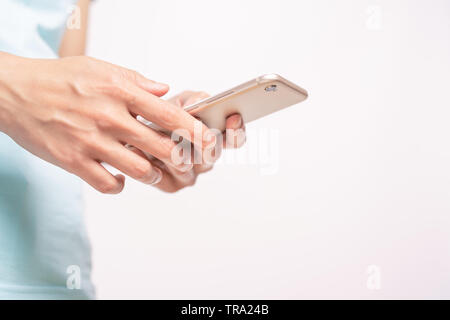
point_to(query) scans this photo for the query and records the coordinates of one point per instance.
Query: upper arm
(74, 40)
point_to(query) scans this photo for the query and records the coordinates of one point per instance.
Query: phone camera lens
(271, 88)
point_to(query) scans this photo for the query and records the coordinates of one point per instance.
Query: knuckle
(76, 160)
(107, 186)
(94, 144)
(113, 89)
(166, 147)
(106, 121)
(91, 145)
(169, 116)
(142, 170)
(126, 96)
(123, 75)
(67, 162)
(116, 77)
(88, 139)
(132, 75)
(116, 89)
(116, 86)
(70, 160)
(134, 136)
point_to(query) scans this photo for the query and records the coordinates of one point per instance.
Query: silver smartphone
(253, 99)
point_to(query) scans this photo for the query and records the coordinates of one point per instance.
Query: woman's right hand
(78, 112)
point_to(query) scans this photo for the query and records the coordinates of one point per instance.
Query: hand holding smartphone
(252, 100)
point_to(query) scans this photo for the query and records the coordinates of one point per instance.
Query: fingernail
(185, 167)
(121, 178)
(157, 176)
(239, 123)
(156, 86)
(161, 86)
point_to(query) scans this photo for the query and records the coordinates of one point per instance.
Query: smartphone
(253, 100)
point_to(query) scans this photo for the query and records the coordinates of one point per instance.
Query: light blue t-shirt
(44, 250)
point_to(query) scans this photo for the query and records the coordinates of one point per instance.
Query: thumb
(156, 88)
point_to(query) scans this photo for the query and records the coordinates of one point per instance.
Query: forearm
(74, 40)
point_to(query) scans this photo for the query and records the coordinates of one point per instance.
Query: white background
(363, 165)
